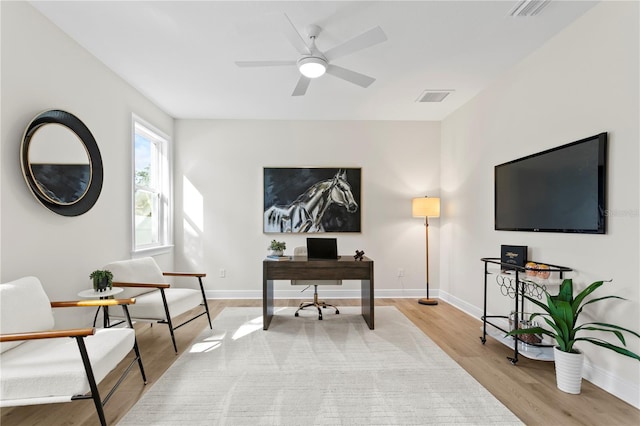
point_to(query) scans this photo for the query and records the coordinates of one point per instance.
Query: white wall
(42, 68)
(582, 82)
(1, 95)
(219, 214)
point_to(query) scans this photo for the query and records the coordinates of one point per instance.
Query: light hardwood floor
(528, 389)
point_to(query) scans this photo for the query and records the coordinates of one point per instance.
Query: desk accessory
(513, 255)
(322, 248)
(276, 248)
(278, 258)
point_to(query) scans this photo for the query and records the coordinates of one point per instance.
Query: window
(151, 188)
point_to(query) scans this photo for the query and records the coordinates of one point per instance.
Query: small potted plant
(102, 280)
(277, 248)
(561, 315)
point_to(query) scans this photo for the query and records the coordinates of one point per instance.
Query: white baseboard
(465, 307)
(625, 390)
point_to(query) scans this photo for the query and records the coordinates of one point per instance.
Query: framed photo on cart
(312, 199)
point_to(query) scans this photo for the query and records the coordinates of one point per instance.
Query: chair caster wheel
(320, 318)
(296, 314)
(337, 312)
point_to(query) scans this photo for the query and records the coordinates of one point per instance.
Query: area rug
(308, 372)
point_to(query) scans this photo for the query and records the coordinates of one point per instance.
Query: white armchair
(157, 301)
(39, 365)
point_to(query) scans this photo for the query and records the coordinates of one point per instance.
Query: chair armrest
(141, 285)
(92, 302)
(73, 332)
(184, 274)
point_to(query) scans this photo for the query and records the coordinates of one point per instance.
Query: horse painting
(309, 211)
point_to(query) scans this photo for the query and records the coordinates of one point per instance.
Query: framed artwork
(303, 199)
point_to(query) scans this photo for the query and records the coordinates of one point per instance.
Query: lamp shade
(312, 67)
(426, 207)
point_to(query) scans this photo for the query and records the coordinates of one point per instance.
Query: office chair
(319, 304)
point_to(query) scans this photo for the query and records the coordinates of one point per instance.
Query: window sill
(151, 251)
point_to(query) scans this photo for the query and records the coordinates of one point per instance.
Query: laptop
(322, 249)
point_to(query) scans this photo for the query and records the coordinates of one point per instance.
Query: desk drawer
(318, 270)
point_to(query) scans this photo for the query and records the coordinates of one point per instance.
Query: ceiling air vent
(528, 7)
(433, 95)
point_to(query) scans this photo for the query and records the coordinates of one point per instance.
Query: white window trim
(166, 239)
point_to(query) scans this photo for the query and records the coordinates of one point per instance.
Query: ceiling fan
(313, 63)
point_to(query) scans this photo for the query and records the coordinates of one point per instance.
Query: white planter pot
(275, 252)
(568, 370)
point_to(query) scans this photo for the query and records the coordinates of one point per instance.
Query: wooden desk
(299, 268)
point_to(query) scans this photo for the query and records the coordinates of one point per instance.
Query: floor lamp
(426, 207)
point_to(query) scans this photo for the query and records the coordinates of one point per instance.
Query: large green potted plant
(561, 313)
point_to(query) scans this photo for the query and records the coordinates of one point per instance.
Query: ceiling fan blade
(301, 87)
(350, 76)
(364, 40)
(245, 64)
(294, 37)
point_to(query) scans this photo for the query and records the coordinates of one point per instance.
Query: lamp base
(427, 301)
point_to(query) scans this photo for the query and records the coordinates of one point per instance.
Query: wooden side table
(107, 294)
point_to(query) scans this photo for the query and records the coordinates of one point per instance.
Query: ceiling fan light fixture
(312, 66)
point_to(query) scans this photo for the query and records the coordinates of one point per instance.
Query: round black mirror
(61, 163)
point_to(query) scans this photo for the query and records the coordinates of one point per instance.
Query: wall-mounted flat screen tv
(558, 190)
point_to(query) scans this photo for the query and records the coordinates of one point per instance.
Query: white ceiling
(181, 54)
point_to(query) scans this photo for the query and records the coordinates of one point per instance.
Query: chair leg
(173, 336)
(326, 305)
(169, 323)
(204, 301)
(95, 395)
(315, 301)
(139, 358)
(168, 315)
(319, 304)
(302, 306)
(135, 344)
